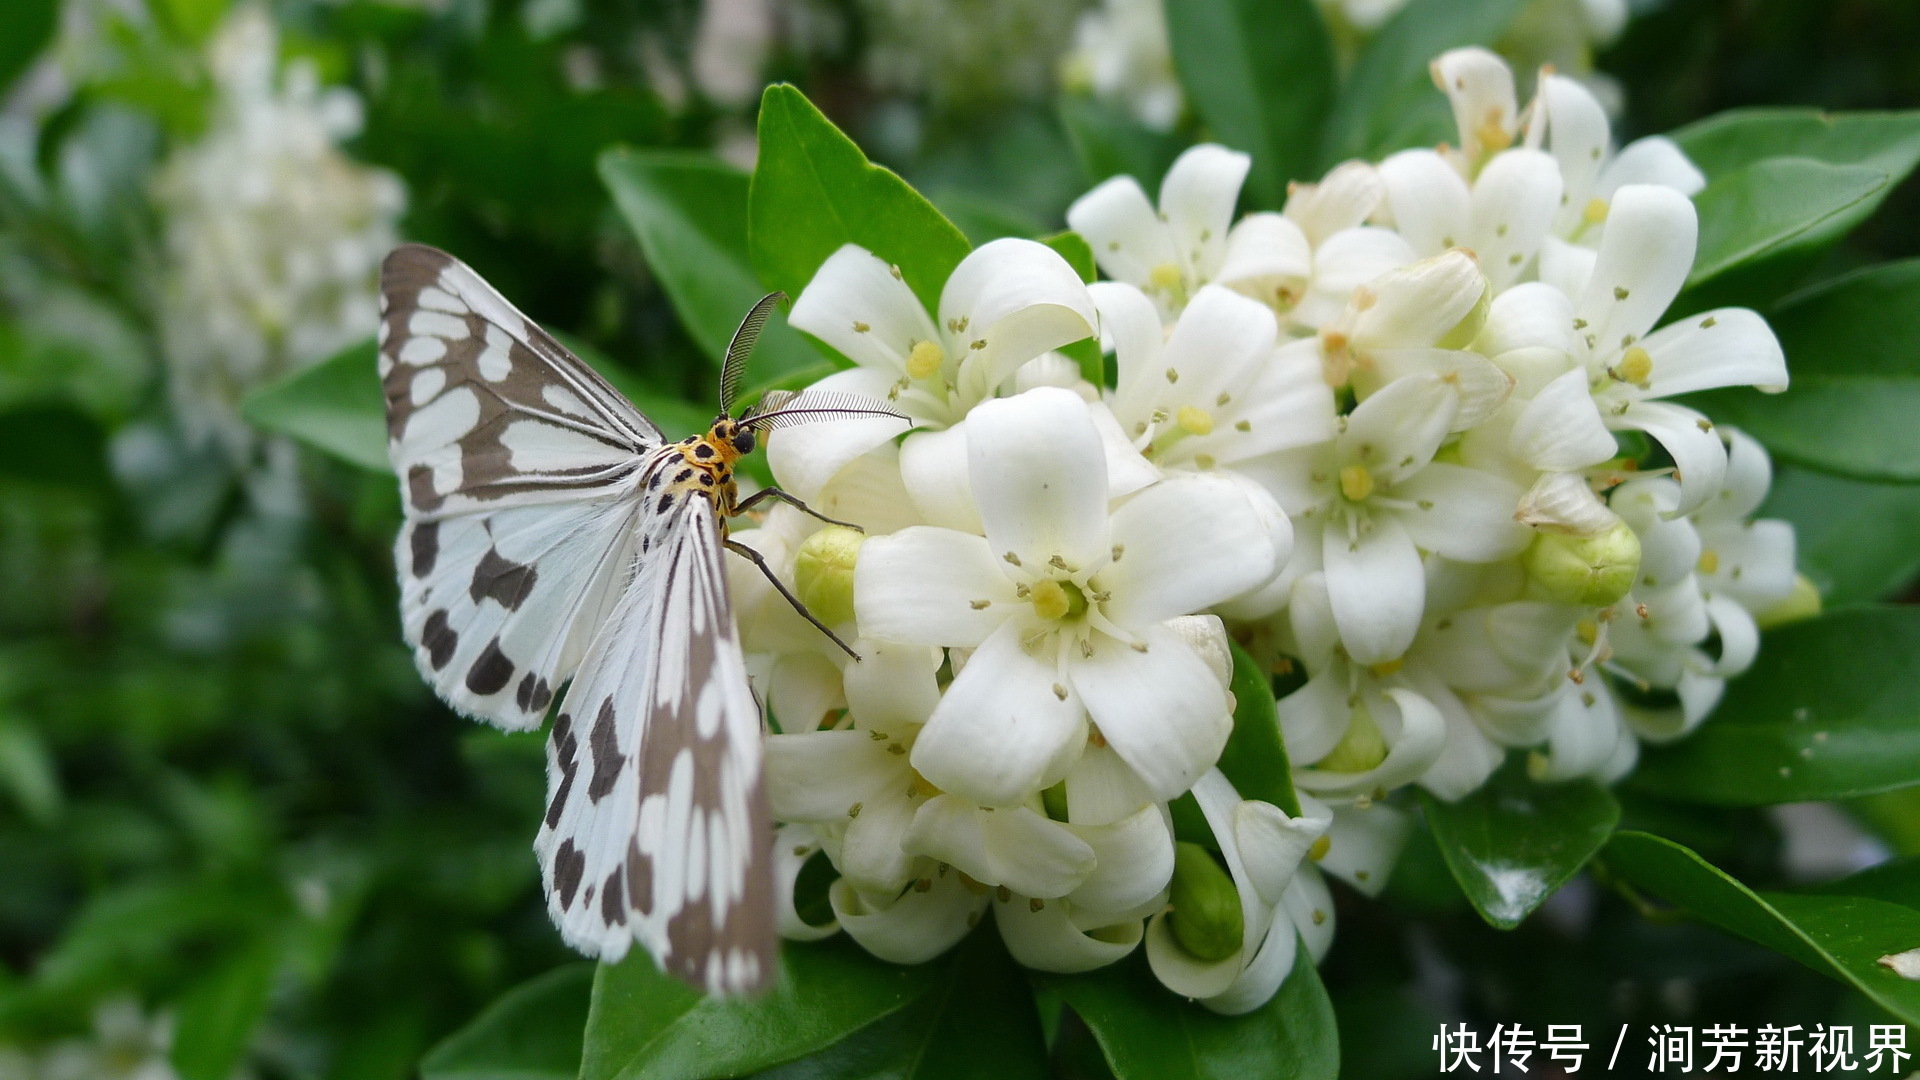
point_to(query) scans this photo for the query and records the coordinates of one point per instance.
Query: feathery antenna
(742, 344)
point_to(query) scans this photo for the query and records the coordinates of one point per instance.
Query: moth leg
(760, 561)
(766, 493)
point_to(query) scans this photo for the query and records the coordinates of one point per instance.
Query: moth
(555, 536)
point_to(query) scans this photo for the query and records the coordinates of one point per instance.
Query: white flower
(1171, 252)
(124, 1045)
(1503, 218)
(1065, 604)
(1121, 54)
(1007, 302)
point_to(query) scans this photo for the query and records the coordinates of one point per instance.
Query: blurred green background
(228, 806)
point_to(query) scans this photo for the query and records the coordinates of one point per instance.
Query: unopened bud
(823, 573)
(1206, 917)
(1360, 749)
(1588, 571)
(1468, 328)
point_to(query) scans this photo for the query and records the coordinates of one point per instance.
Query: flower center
(1636, 367)
(1595, 211)
(1356, 483)
(925, 359)
(1056, 600)
(1164, 277)
(1194, 420)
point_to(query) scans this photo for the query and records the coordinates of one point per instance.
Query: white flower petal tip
(793, 845)
(1012, 846)
(1906, 964)
(1364, 845)
(1564, 503)
(1008, 302)
(1272, 844)
(1480, 86)
(1043, 935)
(913, 927)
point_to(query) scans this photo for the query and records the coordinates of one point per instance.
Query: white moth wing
(656, 829)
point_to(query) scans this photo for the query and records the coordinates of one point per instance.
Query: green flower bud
(1467, 329)
(1360, 749)
(823, 573)
(1206, 916)
(1590, 571)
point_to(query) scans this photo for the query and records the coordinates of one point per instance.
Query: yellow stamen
(1595, 211)
(925, 359)
(1164, 276)
(1636, 366)
(1493, 136)
(1588, 629)
(1709, 562)
(1320, 848)
(1387, 667)
(1057, 599)
(1194, 421)
(1356, 483)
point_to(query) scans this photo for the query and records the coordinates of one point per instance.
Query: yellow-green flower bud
(1590, 571)
(1361, 748)
(1467, 329)
(1802, 603)
(823, 573)
(1206, 916)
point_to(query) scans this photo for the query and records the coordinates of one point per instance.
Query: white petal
(1134, 861)
(912, 928)
(1462, 513)
(869, 492)
(1645, 256)
(1039, 476)
(1755, 560)
(1480, 86)
(1397, 430)
(804, 688)
(1514, 202)
(1669, 544)
(892, 684)
(1422, 738)
(855, 288)
(1126, 234)
(1584, 728)
(816, 776)
(1261, 978)
(1102, 789)
(1002, 732)
(1561, 428)
(1563, 503)
(1289, 405)
(933, 467)
(1479, 384)
(1314, 717)
(1739, 637)
(1698, 454)
(1364, 845)
(1579, 137)
(1418, 305)
(1273, 843)
(1530, 315)
(1182, 972)
(1127, 470)
(1377, 588)
(1655, 159)
(1011, 846)
(872, 845)
(1567, 267)
(1161, 710)
(1218, 344)
(1345, 261)
(1130, 325)
(1206, 635)
(1342, 199)
(920, 586)
(1019, 298)
(1309, 906)
(1048, 940)
(1197, 199)
(1749, 476)
(1468, 757)
(1728, 347)
(805, 457)
(792, 845)
(1430, 203)
(1268, 258)
(1186, 544)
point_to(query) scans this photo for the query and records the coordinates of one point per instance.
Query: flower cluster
(273, 236)
(1408, 440)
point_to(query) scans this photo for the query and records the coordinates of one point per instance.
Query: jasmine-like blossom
(1121, 54)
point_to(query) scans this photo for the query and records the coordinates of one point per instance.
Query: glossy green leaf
(1255, 758)
(1896, 881)
(532, 1033)
(1853, 538)
(1830, 710)
(1261, 74)
(26, 27)
(813, 191)
(335, 405)
(644, 1023)
(977, 1020)
(1755, 211)
(1851, 349)
(1370, 116)
(1147, 1033)
(689, 212)
(27, 771)
(1513, 842)
(218, 1016)
(1109, 142)
(1839, 936)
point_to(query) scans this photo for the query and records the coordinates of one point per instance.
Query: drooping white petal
(1018, 299)
(1184, 973)
(1753, 562)
(1749, 476)
(892, 684)
(1309, 906)
(1699, 457)
(1398, 429)
(1468, 756)
(872, 853)
(1161, 710)
(920, 585)
(1561, 428)
(1011, 846)
(1197, 198)
(1462, 513)
(1039, 475)
(1126, 233)
(933, 466)
(1130, 326)
(1005, 728)
(1221, 339)
(1669, 545)
(1654, 159)
(1046, 939)
(1273, 843)
(1431, 205)
(1127, 469)
(1186, 544)
(792, 846)
(1583, 729)
(855, 288)
(805, 457)
(1739, 637)
(1479, 84)
(1261, 978)
(1102, 788)
(805, 686)
(1727, 347)
(1645, 256)
(1579, 137)
(912, 927)
(1377, 588)
(1514, 202)
(1133, 861)
(1363, 845)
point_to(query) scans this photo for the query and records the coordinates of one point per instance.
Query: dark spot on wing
(420, 489)
(569, 865)
(706, 479)
(508, 582)
(533, 693)
(566, 757)
(426, 547)
(703, 451)
(640, 879)
(666, 502)
(491, 671)
(683, 475)
(604, 742)
(439, 639)
(613, 901)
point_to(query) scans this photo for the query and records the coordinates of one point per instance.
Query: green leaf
(532, 1033)
(1830, 711)
(1839, 936)
(1392, 71)
(1261, 74)
(217, 1018)
(25, 28)
(978, 1019)
(1750, 213)
(194, 20)
(335, 405)
(813, 191)
(1111, 143)
(1896, 881)
(1853, 538)
(1255, 758)
(1513, 842)
(689, 212)
(1147, 1033)
(1085, 352)
(27, 772)
(1853, 348)
(645, 1023)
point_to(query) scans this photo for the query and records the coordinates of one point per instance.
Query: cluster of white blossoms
(1407, 439)
(273, 236)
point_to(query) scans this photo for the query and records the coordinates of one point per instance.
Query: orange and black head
(731, 439)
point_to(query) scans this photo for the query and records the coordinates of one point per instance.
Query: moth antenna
(742, 344)
(785, 408)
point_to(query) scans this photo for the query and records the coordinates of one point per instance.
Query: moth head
(735, 437)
